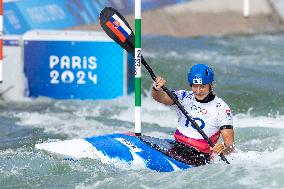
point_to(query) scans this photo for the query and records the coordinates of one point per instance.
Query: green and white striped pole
(138, 56)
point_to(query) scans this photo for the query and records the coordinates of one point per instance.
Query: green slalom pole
(138, 56)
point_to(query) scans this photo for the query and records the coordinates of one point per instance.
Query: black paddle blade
(117, 28)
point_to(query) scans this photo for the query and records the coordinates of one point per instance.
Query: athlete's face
(200, 91)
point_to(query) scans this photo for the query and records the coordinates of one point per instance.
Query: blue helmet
(200, 74)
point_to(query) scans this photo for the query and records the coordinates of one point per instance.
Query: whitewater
(249, 77)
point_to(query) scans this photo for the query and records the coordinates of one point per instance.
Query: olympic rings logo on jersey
(199, 122)
(198, 110)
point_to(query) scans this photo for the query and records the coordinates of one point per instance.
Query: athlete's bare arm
(158, 94)
(228, 139)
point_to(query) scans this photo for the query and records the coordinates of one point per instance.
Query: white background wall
(13, 75)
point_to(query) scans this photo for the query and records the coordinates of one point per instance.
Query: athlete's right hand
(157, 85)
(218, 148)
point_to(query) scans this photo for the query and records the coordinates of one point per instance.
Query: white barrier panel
(13, 86)
(76, 65)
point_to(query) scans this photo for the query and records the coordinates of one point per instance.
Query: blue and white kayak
(146, 151)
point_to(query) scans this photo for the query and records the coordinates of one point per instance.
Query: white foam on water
(266, 158)
(260, 168)
(246, 120)
(80, 121)
(63, 123)
(165, 116)
(152, 112)
(75, 148)
(15, 168)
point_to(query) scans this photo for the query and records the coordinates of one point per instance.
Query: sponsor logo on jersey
(228, 112)
(229, 116)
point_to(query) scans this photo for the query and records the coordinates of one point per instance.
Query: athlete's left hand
(218, 148)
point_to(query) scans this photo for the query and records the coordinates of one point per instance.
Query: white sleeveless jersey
(209, 116)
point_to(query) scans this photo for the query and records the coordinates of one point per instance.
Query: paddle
(117, 28)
